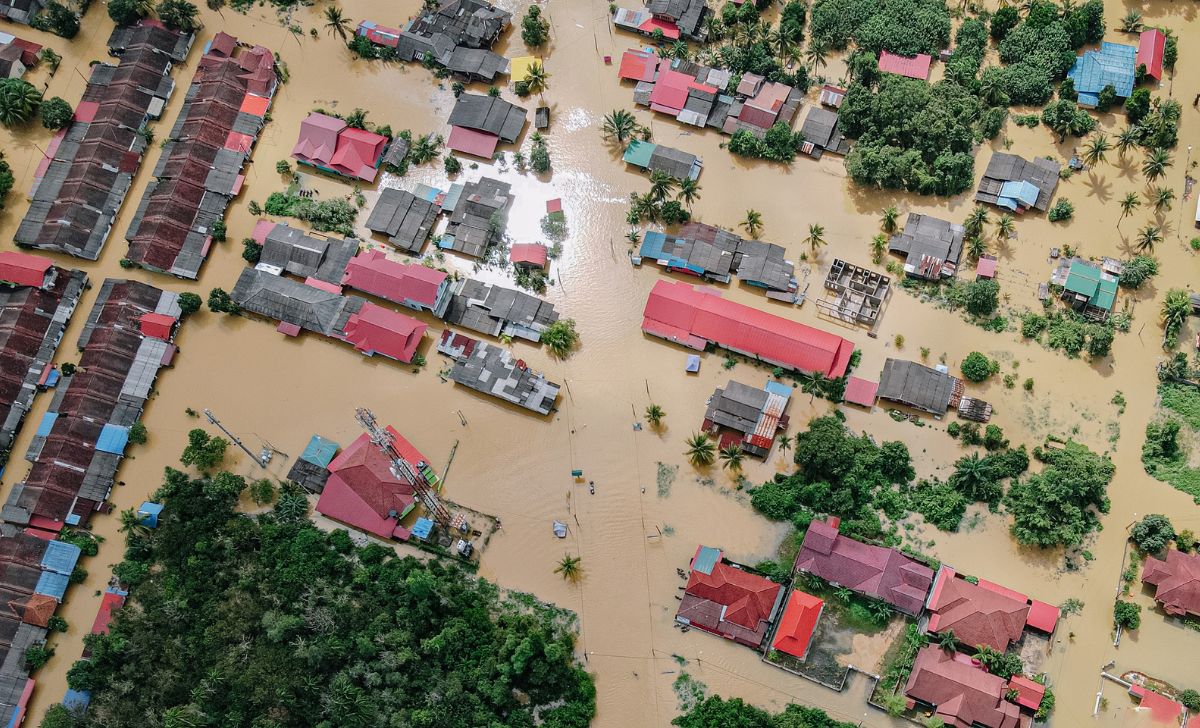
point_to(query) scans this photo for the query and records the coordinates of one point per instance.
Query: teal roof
(320, 451)
(1107, 295)
(639, 152)
(1088, 280)
(706, 558)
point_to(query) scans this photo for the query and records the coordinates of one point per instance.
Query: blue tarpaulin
(1017, 193)
(320, 451)
(77, 701)
(60, 557)
(47, 422)
(52, 378)
(783, 390)
(52, 585)
(148, 513)
(422, 528)
(113, 439)
(693, 363)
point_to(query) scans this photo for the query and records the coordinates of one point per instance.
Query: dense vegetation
(740, 41)
(715, 712)
(270, 622)
(1060, 505)
(1040, 49)
(1163, 455)
(333, 215)
(906, 27)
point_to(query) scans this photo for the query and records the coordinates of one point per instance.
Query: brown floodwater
(267, 387)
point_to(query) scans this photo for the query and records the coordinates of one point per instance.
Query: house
(831, 96)
(478, 123)
(304, 255)
(643, 22)
(658, 158)
(688, 16)
(1177, 582)
(364, 492)
(10, 61)
(476, 212)
(1162, 710)
(88, 167)
(773, 102)
(713, 252)
(415, 286)
(917, 386)
(498, 311)
(821, 134)
(1087, 288)
(724, 599)
(494, 371)
(862, 392)
(683, 314)
(1151, 45)
(329, 144)
(528, 256)
(475, 64)
(21, 11)
(470, 23)
(747, 416)
(153, 34)
(378, 330)
(638, 65)
(878, 572)
(404, 218)
(311, 469)
(915, 67)
(81, 438)
(200, 169)
(797, 624)
(380, 35)
(710, 260)
(1113, 64)
(975, 614)
(930, 246)
(962, 694)
(1001, 182)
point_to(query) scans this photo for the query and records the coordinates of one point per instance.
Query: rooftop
(919, 386)
(1003, 167)
(931, 246)
(915, 67)
(962, 694)
(493, 370)
(797, 624)
(363, 492)
(976, 616)
(406, 283)
(1176, 580)
(730, 602)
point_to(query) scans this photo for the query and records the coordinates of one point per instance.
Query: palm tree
(569, 567)
(816, 236)
(731, 457)
(976, 247)
(947, 641)
(785, 441)
(1004, 228)
(1129, 203)
(991, 90)
(815, 54)
(18, 101)
(973, 477)
(655, 415)
(336, 23)
(679, 50)
(1156, 163)
(689, 191)
(1148, 237)
(1127, 139)
(753, 223)
(1176, 308)
(619, 125)
(661, 185)
(1162, 197)
(536, 79)
(878, 247)
(888, 220)
(843, 594)
(1132, 22)
(131, 523)
(976, 221)
(701, 451)
(1096, 150)
(634, 237)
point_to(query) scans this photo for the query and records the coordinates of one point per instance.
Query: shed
(319, 451)
(860, 391)
(692, 364)
(1029, 693)
(638, 153)
(986, 267)
(1042, 616)
(148, 513)
(915, 67)
(422, 528)
(157, 325)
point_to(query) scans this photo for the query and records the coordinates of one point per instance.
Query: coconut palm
(878, 247)
(887, 221)
(1176, 308)
(1156, 163)
(661, 185)
(1132, 22)
(731, 457)
(1162, 197)
(569, 568)
(815, 54)
(1096, 149)
(785, 441)
(689, 191)
(634, 237)
(132, 523)
(1004, 228)
(1127, 139)
(18, 101)
(1129, 203)
(976, 247)
(991, 90)
(536, 79)
(973, 477)
(655, 415)
(701, 451)
(976, 221)
(1148, 237)
(679, 50)
(336, 23)
(619, 125)
(816, 236)
(753, 223)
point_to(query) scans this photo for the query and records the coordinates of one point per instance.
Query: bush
(1032, 325)
(6, 179)
(1137, 105)
(1153, 533)
(127, 12)
(452, 165)
(539, 156)
(189, 303)
(977, 367)
(982, 297)
(1061, 211)
(1138, 270)
(1127, 614)
(333, 215)
(58, 19)
(1004, 20)
(137, 433)
(534, 28)
(37, 656)
(993, 438)
(1190, 699)
(56, 113)
(939, 503)
(779, 144)
(251, 251)
(561, 338)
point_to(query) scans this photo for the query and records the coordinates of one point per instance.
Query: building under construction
(856, 295)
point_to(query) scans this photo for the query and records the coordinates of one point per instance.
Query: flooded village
(862, 382)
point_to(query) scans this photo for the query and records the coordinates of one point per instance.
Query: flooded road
(265, 386)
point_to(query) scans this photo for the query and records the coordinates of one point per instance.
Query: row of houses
(200, 169)
(475, 216)
(88, 167)
(717, 254)
(457, 35)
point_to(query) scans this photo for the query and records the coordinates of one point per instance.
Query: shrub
(251, 251)
(561, 337)
(1138, 270)
(1127, 614)
(137, 433)
(452, 165)
(1061, 211)
(977, 367)
(56, 113)
(982, 297)
(534, 28)
(1032, 325)
(1153, 533)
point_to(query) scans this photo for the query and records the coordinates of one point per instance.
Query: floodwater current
(267, 387)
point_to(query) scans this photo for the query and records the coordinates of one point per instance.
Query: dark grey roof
(821, 129)
(413, 46)
(916, 385)
(1003, 167)
(21, 11)
(490, 114)
(404, 218)
(476, 63)
(493, 370)
(764, 264)
(687, 14)
(172, 43)
(287, 249)
(397, 151)
(310, 476)
(284, 299)
(674, 162)
(471, 23)
(924, 235)
(470, 223)
(737, 406)
(494, 310)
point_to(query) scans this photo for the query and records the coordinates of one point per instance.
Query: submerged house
(311, 469)
(1088, 288)
(676, 19)
(1176, 580)
(916, 67)
(822, 134)
(797, 624)
(494, 371)
(200, 169)
(1015, 184)
(412, 285)
(469, 23)
(747, 416)
(658, 158)
(962, 693)
(710, 260)
(406, 220)
(724, 599)
(713, 253)
(930, 246)
(1113, 64)
(479, 123)
(286, 249)
(918, 386)
(330, 145)
(477, 210)
(975, 614)
(21, 11)
(498, 311)
(455, 34)
(363, 492)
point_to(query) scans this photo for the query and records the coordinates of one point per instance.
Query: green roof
(1107, 295)
(1088, 280)
(639, 152)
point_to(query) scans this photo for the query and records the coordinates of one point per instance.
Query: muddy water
(268, 387)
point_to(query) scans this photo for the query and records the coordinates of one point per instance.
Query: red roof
(111, 602)
(29, 50)
(363, 492)
(729, 602)
(262, 229)
(976, 616)
(473, 142)
(1162, 709)
(39, 608)
(1042, 616)
(1150, 52)
(916, 67)
(671, 91)
(23, 269)
(669, 29)
(638, 65)
(377, 330)
(554, 205)
(963, 694)
(533, 254)
(1029, 693)
(1178, 582)
(860, 391)
(374, 273)
(797, 624)
(358, 153)
(255, 105)
(223, 44)
(986, 267)
(680, 312)
(157, 325)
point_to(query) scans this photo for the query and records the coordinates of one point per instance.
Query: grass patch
(1164, 456)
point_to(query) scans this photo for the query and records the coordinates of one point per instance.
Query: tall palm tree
(619, 124)
(536, 79)
(816, 236)
(1127, 139)
(1132, 22)
(976, 221)
(1156, 163)
(1004, 227)
(815, 54)
(655, 415)
(887, 222)
(785, 441)
(701, 451)
(689, 191)
(976, 247)
(878, 247)
(1148, 237)
(1096, 149)
(661, 185)
(1176, 308)
(569, 568)
(753, 223)
(731, 457)
(1162, 197)
(1129, 203)
(336, 23)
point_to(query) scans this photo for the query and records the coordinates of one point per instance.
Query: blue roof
(60, 557)
(320, 451)
(1017, 192)
(52, 585)
(113, 439)
(706, 558)
(52, 378)
(77, 700)
(47, 422)
(693, 363)
(653, 245)
(780, 388)
(422, 528)
(1112, 65)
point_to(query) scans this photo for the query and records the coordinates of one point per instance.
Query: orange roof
(255, 105)
(797, 624)
(38, 609)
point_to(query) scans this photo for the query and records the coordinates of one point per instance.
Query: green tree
(661, 185)
(1127, 139)
(689, 191)
(975, 479)
(58, 19)
(1176, 308)
(536, 78)
(203, 451)
(701, 451)
(179, 15)
(1127, 614)
(189, 303)
(620, 125)
(731, 457)
(1155, 164)
(816, 236)
(1096, 149)
(947, 641)
(1153, 533)
(887, 222)
(128, 12)
(561, 338)
(977, 367)
(982, 298)
(535, 31)
(1147, 238)
(1005, 227)
(19, 101)
(752, 223)
(220, 302)
(56, 113)
(336, 22)
(137, 433)
(1129, 203)
(976, 221)
(1059, 505)
(569, 567)
(262, 491)
(655, 415)
(1162, 197)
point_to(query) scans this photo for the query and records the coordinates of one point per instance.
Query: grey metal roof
(916, 385)
(494, 371)
(405, 218)
(737, 406)
(494, 310)
(470, 223)
(1003, 167)
(307, 256)
(674, 162)
(924, 235)
(471, 23)
(490, 114)
(476, 63)
(764, 264)
(821, 129)
(284, 299)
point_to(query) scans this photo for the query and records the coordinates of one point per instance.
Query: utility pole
(232, 438)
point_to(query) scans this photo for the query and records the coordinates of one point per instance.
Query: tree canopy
(1060, 505)
(716, 712)
(906, 27)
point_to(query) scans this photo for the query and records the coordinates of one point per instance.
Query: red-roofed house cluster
(726, 600)
(331, 145)
(363, 492)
